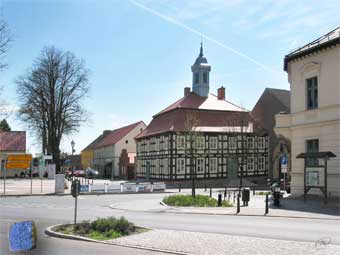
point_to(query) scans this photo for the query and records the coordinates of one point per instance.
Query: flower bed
(101, 229)
(197, 201)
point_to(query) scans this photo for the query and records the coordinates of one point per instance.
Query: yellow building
(87, 158)
(87, 154)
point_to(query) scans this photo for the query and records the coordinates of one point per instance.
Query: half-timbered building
(201, 134)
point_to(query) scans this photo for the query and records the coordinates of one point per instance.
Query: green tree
(4, 126)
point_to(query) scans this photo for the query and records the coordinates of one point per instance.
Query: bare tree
(51, 95)
(238, 123)
(5, 39)
(192, 135)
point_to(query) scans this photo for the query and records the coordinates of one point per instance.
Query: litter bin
(245, 196)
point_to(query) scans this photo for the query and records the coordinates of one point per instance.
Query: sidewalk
(205, 243)
(290, 207)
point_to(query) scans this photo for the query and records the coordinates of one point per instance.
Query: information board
(315, 177)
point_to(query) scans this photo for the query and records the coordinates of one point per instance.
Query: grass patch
(197, 201)
(263, 193)
(103, 236)
(101, 229)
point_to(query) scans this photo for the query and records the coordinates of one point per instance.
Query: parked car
(91, 173)
(79, 173)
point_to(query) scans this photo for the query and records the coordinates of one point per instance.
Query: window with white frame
(180, 142)
(213, 165)
(261, 142)
(180, 165)
(166, 143)
(250, 163)
(232, 142)
(225, 144)
(213, 143)
(200, 141)
(147, 145)
(250, 142)
(261, 163)
(165, 166)
(161, 165)
(200, 165)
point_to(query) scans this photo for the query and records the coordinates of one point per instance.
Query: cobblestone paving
(217, 244)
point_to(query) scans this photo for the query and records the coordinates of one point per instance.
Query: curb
(220, 214)
(84, 194)
(252, 215)
(54, 234)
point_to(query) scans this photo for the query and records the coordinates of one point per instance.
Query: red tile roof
(116, 135)
(209, 113)
(194, 101)
(177, 120)
(93, 144)
(13, 141)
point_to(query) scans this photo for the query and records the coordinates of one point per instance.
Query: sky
(139, 52)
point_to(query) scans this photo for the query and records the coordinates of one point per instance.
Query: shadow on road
(313, 204)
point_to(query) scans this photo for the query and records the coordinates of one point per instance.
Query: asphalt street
(50, 210)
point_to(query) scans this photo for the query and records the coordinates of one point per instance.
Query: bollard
(254, 191)
(225, 192)
(179, 188)
(210, 192)
(105, 187)
(234, 197)
(267, 207)
(219, 201)
(238, 203)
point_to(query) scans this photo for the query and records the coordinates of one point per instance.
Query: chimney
(186, 91)
(221, 93)
(105, 132)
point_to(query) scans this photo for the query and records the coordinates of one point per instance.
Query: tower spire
(201, 49)
(200, 75)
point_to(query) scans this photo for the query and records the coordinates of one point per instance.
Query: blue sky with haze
(140, 52)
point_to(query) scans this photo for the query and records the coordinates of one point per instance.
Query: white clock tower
(200, 75)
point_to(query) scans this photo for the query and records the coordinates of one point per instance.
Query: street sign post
(3, 170)
(75, 190)
(284, 169)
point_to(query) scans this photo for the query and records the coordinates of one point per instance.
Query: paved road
(50, 210)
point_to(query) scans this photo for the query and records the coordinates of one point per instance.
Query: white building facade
(313, 124)
(109, 149)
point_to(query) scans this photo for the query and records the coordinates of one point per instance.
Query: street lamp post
(72, 145)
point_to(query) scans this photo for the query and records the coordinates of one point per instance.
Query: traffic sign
(284, 163)
(48, 157)
(19, 157)
(17, 165)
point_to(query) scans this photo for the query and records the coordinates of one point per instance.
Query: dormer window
(197, 78)
(205, 77)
